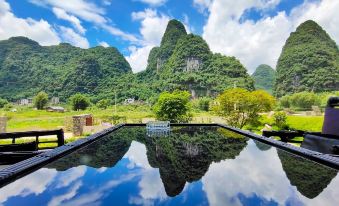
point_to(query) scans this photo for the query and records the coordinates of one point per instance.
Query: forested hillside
(190, 65)
(309, 62)
(27, 68)
(264, 76)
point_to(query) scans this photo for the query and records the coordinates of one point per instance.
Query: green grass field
(28, 119)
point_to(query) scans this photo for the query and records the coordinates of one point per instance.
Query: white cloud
(150, 184)
(70, 36)
(104, 44)
(153, 26)
(87, 11)
(57, 200)
(70, 176)
(30, 184)
(106, 2)
(153, 2)
(260, 42)
(202, 5)
(61, 14)
(10, 25)
(260, 173)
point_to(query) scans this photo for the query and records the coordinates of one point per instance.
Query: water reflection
(189, 166)
(309, 178)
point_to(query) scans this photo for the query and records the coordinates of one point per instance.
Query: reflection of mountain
(186, 154)
(103, 153)
(309, 177)
(182, 156)
(262, 146)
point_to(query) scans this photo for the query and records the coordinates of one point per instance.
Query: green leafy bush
(40, 100)
(3, 102)
(304, 100)
(103, 104)
(204, 103)
(79, 102)
(280, 119)
(174, 107)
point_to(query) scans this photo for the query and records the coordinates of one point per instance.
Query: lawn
(306, 123)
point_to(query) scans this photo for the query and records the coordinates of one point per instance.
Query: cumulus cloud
(86, 11)
(28, 185)
(104, 44)
(153, 2)
(153, 26)
(61, 14)
(202, 5)
(10, 25)
(70, 36)
(257, 42)
(262, 175)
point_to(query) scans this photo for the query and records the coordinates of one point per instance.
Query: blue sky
(254, 31)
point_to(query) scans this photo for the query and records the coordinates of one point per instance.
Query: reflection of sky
(254, 178)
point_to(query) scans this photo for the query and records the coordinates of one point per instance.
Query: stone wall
(78, 125)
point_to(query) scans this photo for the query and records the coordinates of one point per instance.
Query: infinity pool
(189, 166)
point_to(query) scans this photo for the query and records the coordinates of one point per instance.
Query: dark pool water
(189, 166)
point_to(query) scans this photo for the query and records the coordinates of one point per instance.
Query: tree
(240, 106)
(79, 102)
(103, 104)
(3, 102)
(174, 107)
(40, 100)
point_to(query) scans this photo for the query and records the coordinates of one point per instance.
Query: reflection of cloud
(96, 195)
(137, 156)
(102, 169)
(35, 183)
(328, 197)
(151, 186)
(259, 173)
(251, 171)
(57, 200)
(70, 176)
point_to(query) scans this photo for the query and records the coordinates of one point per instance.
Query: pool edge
(15, 171)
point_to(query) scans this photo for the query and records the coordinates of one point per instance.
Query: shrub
(8, 107)
(103, 104)
(285, 101)
(79, 102)
(280, 120)
(204, 103)
(173, 107)
(40, 100)
(304, 100)
(3, 102)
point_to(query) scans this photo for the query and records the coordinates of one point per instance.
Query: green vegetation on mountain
(264, 77)
(63, 70)
(309, 62)
(190, 65)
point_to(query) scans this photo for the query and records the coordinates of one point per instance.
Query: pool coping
(27, 166)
